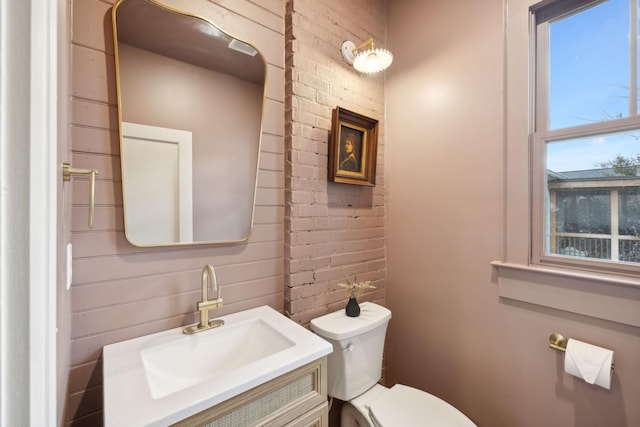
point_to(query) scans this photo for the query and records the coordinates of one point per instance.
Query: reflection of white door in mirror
(158, 197)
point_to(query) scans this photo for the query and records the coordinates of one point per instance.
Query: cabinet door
(279, 402)
(318, 417)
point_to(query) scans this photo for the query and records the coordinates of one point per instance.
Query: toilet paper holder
(559, 342)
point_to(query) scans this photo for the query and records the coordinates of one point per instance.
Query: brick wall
(332, 231)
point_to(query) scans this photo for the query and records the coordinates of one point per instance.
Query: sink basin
(162, 378)
(196, 358)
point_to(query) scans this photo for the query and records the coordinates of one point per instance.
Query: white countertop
(127, 395)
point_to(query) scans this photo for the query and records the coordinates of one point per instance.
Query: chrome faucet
(206, 304)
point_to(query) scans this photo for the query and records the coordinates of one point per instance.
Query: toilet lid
(406, 406)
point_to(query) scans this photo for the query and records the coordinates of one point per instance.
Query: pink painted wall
(120, 291)
(450, 333)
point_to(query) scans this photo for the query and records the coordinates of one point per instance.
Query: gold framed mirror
(190, 107)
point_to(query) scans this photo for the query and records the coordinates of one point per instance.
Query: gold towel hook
(68, 172)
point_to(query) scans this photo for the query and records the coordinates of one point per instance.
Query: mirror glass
(190, 102)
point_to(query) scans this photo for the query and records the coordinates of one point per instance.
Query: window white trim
(600, 296)
(541, 135)
(604, 296)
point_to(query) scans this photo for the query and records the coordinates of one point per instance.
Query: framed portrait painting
(353, 148)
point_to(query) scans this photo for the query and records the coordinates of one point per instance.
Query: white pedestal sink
(159, 379)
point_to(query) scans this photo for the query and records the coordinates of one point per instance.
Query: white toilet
(355, 367)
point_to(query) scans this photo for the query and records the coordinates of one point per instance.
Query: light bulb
(372, 62)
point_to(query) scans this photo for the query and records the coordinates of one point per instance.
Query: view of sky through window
(590, 82)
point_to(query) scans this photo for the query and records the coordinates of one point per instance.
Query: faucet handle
(209, 304)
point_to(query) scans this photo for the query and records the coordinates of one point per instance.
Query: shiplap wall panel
(270, 197)
(275, 7)
(153, 307)
(105, 218)
(95, 296)
(85, 15)
(268, 214)
(94, 114)
(275, 85)
(273, 117)
(108, 166)
(104, 294)
(83, 376)
(86, 403)
(120, 291)
(271, 161)
(143, 262)
(106, 193)
(95, 140)
(270, 179)
(100, 71)
(99, 243)
(271, 144)
(120, 316)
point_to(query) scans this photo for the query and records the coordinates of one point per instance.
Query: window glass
(588, 138)
(582, 225)
(589, 65)
(618, 151)
(583, 211)
(593, 197)
(629, 206)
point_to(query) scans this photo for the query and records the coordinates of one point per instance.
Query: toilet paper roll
(589, 362)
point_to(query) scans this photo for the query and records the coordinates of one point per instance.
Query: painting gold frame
(353, 148)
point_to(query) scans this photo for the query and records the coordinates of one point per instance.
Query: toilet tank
(355, 365)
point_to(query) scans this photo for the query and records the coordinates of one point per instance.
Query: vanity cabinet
(295, 399)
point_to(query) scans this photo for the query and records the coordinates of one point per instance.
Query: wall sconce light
(365, 57)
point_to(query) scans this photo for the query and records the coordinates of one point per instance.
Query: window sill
(613, 298)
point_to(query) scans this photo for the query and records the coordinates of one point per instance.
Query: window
(600, 208)
(586, 135)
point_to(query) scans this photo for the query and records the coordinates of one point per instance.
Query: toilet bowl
(401, 406)
(355, 367)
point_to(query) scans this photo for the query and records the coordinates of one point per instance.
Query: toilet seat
(406, 406)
